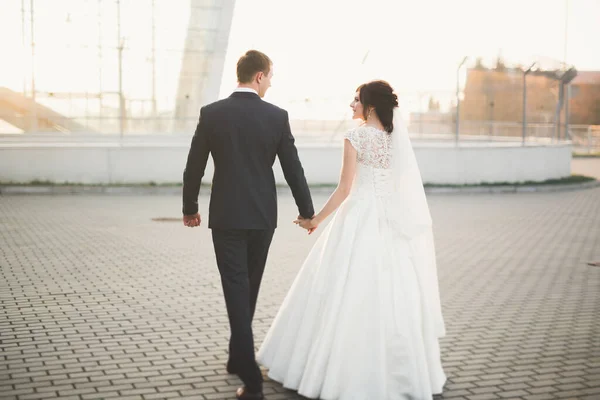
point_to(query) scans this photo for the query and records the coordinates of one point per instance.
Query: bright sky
(317, 45)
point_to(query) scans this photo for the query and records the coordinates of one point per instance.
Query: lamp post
(564, 98)
(33, 127)
(120, 44)
(458, 97)
(525, 101)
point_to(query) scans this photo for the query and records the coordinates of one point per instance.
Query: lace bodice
(374, 157)
(374, 147)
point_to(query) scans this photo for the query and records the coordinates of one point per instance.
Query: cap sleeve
(353, 137)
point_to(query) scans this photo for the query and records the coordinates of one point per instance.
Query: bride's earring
(369, 114)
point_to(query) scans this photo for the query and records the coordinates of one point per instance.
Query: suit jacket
(244, 134)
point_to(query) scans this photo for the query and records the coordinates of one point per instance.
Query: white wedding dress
(356, 323)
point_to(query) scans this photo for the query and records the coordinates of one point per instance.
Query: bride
(363, 317)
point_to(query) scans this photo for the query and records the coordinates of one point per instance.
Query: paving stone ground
(99, 301)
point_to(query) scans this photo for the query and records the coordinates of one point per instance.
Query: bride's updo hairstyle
(381, 96)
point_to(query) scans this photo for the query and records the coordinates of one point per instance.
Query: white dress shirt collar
(245, 89)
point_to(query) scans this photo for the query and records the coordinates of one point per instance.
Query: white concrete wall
(500, 162)
(140, 161)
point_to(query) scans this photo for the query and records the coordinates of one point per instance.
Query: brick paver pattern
(99, 301)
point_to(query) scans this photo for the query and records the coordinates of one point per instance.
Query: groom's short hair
(250, 64)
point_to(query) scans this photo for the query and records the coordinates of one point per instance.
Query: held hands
(192, 220)
(309, 224)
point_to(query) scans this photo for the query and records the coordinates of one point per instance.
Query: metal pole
(23, 44)
(566, 30)
(100, 105)
(491, 131)
(420, 114)
(154, 112)
(34, 122)
(120, 61)
(567, 99)
(457, 106)
(458, 99)
(524, 106)
(565, 61)
(525, 102)
(559, 105)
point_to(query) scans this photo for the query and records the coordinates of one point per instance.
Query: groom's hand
(192, 220)
(306, 223)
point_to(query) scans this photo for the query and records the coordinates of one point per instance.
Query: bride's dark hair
(381, 96)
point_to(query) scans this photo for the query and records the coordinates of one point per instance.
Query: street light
(525, 100)
(564, 81)
(457, 95)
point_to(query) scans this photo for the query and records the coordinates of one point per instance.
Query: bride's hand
(309, 224)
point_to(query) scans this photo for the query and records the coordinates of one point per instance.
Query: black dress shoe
(243, 394)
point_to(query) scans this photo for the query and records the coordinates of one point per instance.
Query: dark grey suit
(244, 134)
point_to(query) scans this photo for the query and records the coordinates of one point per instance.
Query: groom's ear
(259, 76)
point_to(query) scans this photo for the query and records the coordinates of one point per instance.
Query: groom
(244, 134)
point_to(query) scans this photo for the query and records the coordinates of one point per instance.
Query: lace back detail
(374, 147)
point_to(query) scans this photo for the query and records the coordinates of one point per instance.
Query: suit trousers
(241, 258)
